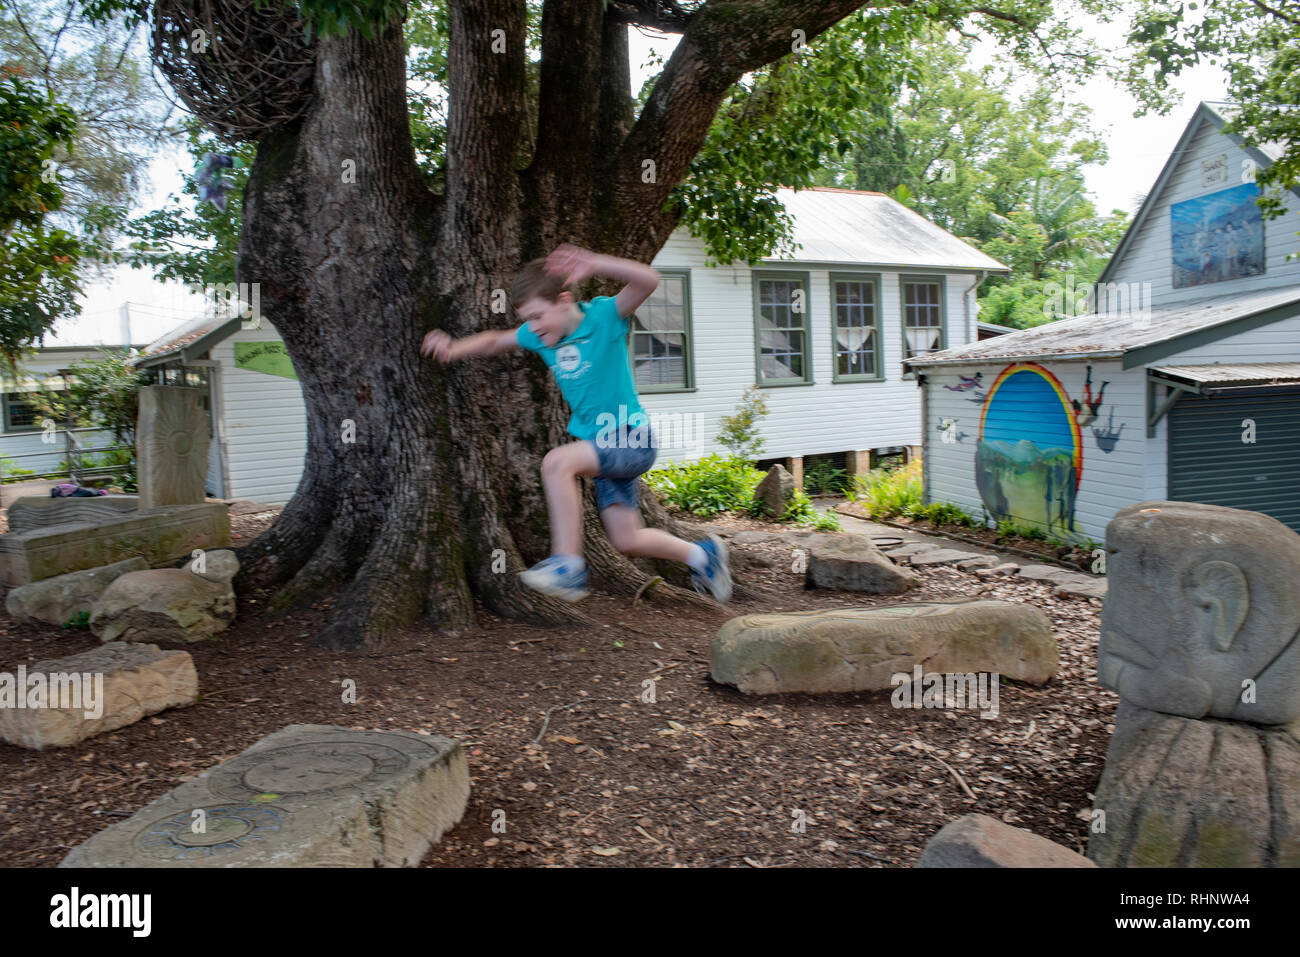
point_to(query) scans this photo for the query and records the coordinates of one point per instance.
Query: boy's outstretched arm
(577, 264)
(490, 343)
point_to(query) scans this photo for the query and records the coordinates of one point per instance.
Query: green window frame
(19, 415)
(920, 312)
(782, 328)
(660, 342)
(857, 330)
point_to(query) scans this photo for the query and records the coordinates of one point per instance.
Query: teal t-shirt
(590, 366)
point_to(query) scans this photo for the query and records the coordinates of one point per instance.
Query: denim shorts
(620, 466)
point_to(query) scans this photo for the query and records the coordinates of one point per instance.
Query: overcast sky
(1138, 150)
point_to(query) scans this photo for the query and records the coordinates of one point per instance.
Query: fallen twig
(959, 778)
(560, 707)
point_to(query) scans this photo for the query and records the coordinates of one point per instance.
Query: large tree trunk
(420, 486)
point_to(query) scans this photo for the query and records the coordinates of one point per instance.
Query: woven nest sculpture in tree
(240, 69)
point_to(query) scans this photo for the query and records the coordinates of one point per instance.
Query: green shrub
(739, 433)
(1009, 529)
(887, 493)
(945, 513)
(802, 511)
(122, 461)
(824, 478)
(79, 620)
(711, 485)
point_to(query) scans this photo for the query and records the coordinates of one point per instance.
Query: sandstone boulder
(169, 604)
(776, 490)
(96, 691)
(861, 649)
(852, 563)
(977, 840)
(55, 600)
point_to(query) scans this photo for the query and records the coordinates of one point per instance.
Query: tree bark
(420, 489)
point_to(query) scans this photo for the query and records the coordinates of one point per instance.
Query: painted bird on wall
(967, 383)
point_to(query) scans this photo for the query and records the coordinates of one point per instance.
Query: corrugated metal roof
(1113, 334)
(859, 227)
(180, 337)
(1270, 373)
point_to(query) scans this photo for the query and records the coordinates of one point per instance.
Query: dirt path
(702, 776)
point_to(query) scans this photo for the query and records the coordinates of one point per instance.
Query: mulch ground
(581, 769)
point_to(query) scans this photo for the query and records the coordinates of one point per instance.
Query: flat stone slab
(939, 556)
(751, 537)
(308, 795)
(851, 563)
(1087, 588)
(862, 649)
(42, 511)
(95, 691)
(158, 535)
(977, 840)
(1047, 573)
(978, 561)
(55, 600)
(911, 548)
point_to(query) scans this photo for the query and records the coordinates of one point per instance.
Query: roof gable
(1217, 114)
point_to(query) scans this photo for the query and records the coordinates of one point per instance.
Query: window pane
(780, 329)
(923, 317)
(855, 327)
(658, 342)
(659, 359)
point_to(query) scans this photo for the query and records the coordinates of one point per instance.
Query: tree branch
(723, 40)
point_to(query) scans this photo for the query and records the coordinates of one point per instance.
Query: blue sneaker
(716, 578)
(557, 576)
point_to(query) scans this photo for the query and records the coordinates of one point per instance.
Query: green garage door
(1209, 462)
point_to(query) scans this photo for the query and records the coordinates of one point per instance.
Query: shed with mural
(1181, 382)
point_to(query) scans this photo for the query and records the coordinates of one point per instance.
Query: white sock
(698, 559)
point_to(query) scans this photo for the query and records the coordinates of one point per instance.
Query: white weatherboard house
(824, 334)
(31, 443)
(1184, 384)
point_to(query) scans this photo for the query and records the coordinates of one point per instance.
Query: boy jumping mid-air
(585, 346)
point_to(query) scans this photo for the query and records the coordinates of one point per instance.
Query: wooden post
(795, 467)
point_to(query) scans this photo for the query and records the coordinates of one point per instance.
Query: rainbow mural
(1029, 458)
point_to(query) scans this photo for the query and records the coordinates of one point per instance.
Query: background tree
(187, 240)
(38, 272)
(101, 73)
(419, 492)
(1258, 43)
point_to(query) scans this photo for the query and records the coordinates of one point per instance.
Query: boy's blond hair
(534, 282)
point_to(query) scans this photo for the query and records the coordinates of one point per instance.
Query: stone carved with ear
(1199, 637)
(1203, 612)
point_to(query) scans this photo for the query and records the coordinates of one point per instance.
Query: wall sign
(270, 358)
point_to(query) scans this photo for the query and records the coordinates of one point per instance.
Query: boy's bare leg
(627, 533)
(560, 470)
